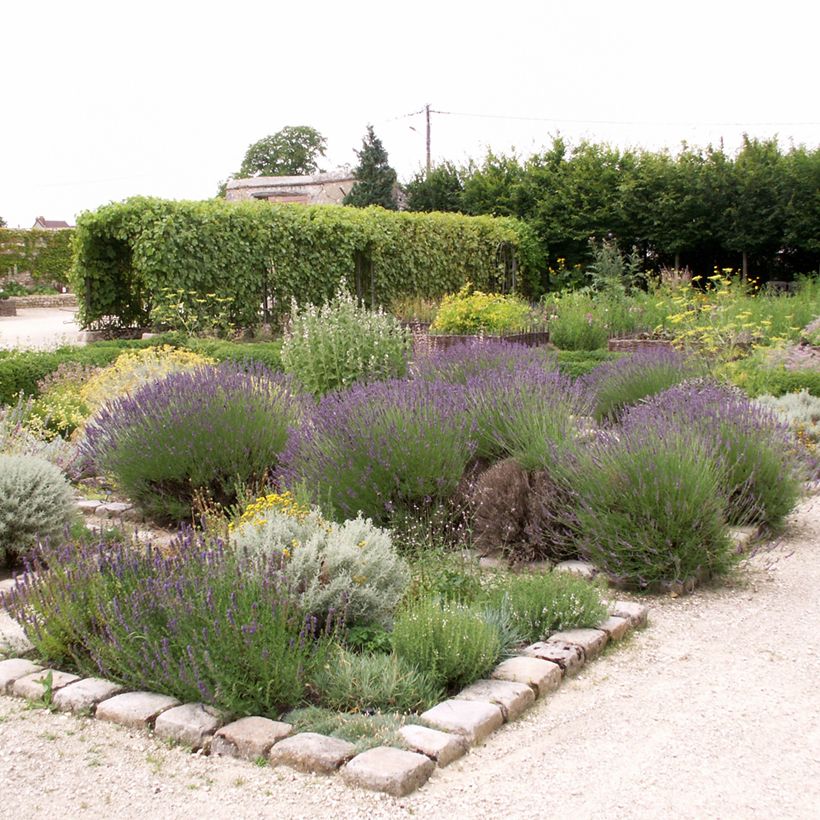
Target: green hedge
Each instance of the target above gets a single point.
(142, 254)
(46, 255)
(580, 362)
(21, 370)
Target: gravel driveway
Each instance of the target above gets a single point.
(40, 328)
(711, 712)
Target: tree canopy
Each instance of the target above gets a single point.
(293, 151)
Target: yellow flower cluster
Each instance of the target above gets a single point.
(134, 368)
(283, 503)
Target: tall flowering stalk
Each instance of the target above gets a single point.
(374, 448)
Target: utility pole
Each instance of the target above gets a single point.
(427, 113)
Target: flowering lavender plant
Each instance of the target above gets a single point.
(192, 623)
(614, 385)
(762, 479)
(209, 430)
(527, 413)
(461, 362)
(650, 506)
(376, 447)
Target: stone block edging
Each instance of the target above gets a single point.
(452, 726)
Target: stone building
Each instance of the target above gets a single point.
(328, 188)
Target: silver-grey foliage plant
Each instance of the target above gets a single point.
(351, 569)
(36, 502)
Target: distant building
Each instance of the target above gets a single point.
(43, 224)
(317, 189)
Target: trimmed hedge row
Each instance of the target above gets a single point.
(199, 258)
(45, 255)
(21, 370)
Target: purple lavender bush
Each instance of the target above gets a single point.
(380, 447)
(525, 413)
(649, 505)
(461, 362)
(194, 623)
(756, 452)
(615, 385)
(207, 431)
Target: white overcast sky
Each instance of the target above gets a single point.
(100, 100)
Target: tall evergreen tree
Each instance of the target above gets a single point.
(375, 179)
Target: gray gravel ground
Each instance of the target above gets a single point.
(40, 328)
(711, 712)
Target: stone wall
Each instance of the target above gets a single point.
(317, 189)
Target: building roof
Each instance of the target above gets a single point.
(50, 224)
(291, 182)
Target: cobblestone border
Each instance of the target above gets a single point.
(449, 729)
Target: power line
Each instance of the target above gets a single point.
(559, 121)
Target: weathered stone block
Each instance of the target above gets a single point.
(136, 710)
(384, 769)
(473, 720)
(84, 695)
(88, 506)
(13, 640)
(13, 669)
(568, 656)
(592, 641)
(513, 698)
(583, 569)
(309, 752)
(6, 586)
(615, 627)
(191, 724)
(742, 538)
(636, 613)
(33, 686)
(113, 509)
(249, 738)
(442, 747)
(541, 676)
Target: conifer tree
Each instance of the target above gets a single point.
(375, 179)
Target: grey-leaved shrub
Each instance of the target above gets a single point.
(351, 569)
(36, 502)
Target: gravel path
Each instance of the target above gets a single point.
(711, 712)
(40, 328)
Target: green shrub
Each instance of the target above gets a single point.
(758, 375)
(350, 569)
(651, 506)
(349, 682)
(453, 643)
(585, 321)
(342, 342)
(472, 311)
(364, 731)
(36, 502)
(538, 604)
(575, 363)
